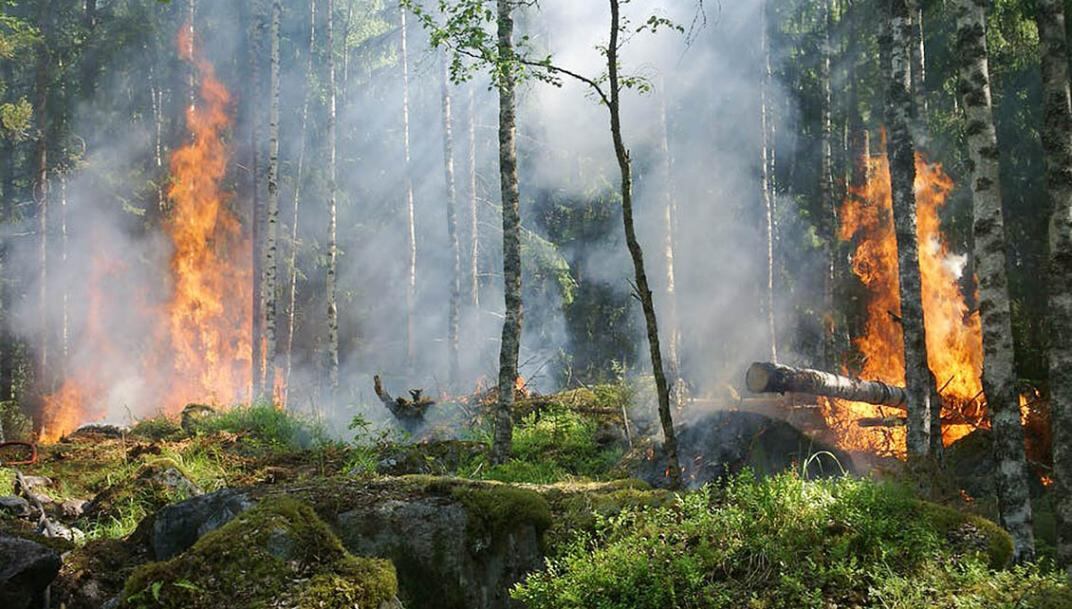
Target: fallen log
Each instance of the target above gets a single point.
(767, 377)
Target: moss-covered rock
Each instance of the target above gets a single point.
(969, 533)
(277, 554)
(576, 507)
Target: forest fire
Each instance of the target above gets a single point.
(954, 336)
(200, 347)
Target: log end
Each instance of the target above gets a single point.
(758, 377)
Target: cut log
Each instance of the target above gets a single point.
(766, 377)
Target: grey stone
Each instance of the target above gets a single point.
(178, 526)
(26, 570)
(16, 506)
(73, 508)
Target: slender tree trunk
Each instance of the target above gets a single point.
(999, 374)
(669, 244)
(191, 69)
(411, 232)
(292, 266)
(333, 249)
(511, 224)
(826, 193)
(918, 55)
(647, 301)
(1057, 142)
(452, 231)
(65, 297)
(156, 94)
(41, 192)
(474, 227)
(918, 380)
(257, 223)
(768, 195)
(271, 261)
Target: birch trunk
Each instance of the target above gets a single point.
(257, 221)
(999, 374)
(917, 51)
(452, 230)
(826, 192)
(511, 225)
(333, 249)
(411, 234)
(768, 199)
(669, 239)
(41, 191)
(901, 149)
(1057, 142)
(474, 230)
(271, 261)
(292, 266)
(647, 301)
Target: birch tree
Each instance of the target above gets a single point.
(332, 243)
(271, 261)
(766, 179)
(292, 265)
(1057, 144)
(474, 226)
(452, 229)
(669, 245)
(999, 374)
(826, 189)
(40, 187)
(901, 149)
(256, 52)
(411, 233)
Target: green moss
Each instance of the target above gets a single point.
(499, 507)
(157, 428)
(578, 508)
(278, 549)
(957, 526)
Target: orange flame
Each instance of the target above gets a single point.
(201, 350)
(954, 335)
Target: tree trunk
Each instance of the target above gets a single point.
(271, 261)
(669, 239)
(411, 233)
(1057, 142)
(333, 248)
(999, 374)
(511, 224)
(258, 217)
(826, 192)
(474, 227)
(41, 191)
(768, 377)
(919, 381)
(647, 301)
(917, 52)
(452, 231)
(768, 196)
(292, 266)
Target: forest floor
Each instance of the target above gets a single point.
(254, 507)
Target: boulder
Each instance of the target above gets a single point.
(719, 444)
(26, 570)
(277, 554)
(15, 506)
(178, 526)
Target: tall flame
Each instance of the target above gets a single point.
(954, 336)
(201, 348)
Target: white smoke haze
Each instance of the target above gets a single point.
(709, 81)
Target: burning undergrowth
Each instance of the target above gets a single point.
(196, 321)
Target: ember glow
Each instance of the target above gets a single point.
(200, 350)
(954, 336)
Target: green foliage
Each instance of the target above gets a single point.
(551, 445)
(264, 423)
(277, 552)
(160, 427)
(499, 507)
(780, 542)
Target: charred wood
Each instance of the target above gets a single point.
(766, 377)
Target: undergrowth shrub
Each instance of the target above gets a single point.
(266, 424)
(786, 543)
(549, 446)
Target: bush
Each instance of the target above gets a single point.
(776, 543)
(266, 424)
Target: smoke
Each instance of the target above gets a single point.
(709, 82)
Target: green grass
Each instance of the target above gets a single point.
(265, 424)
(788, 543)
